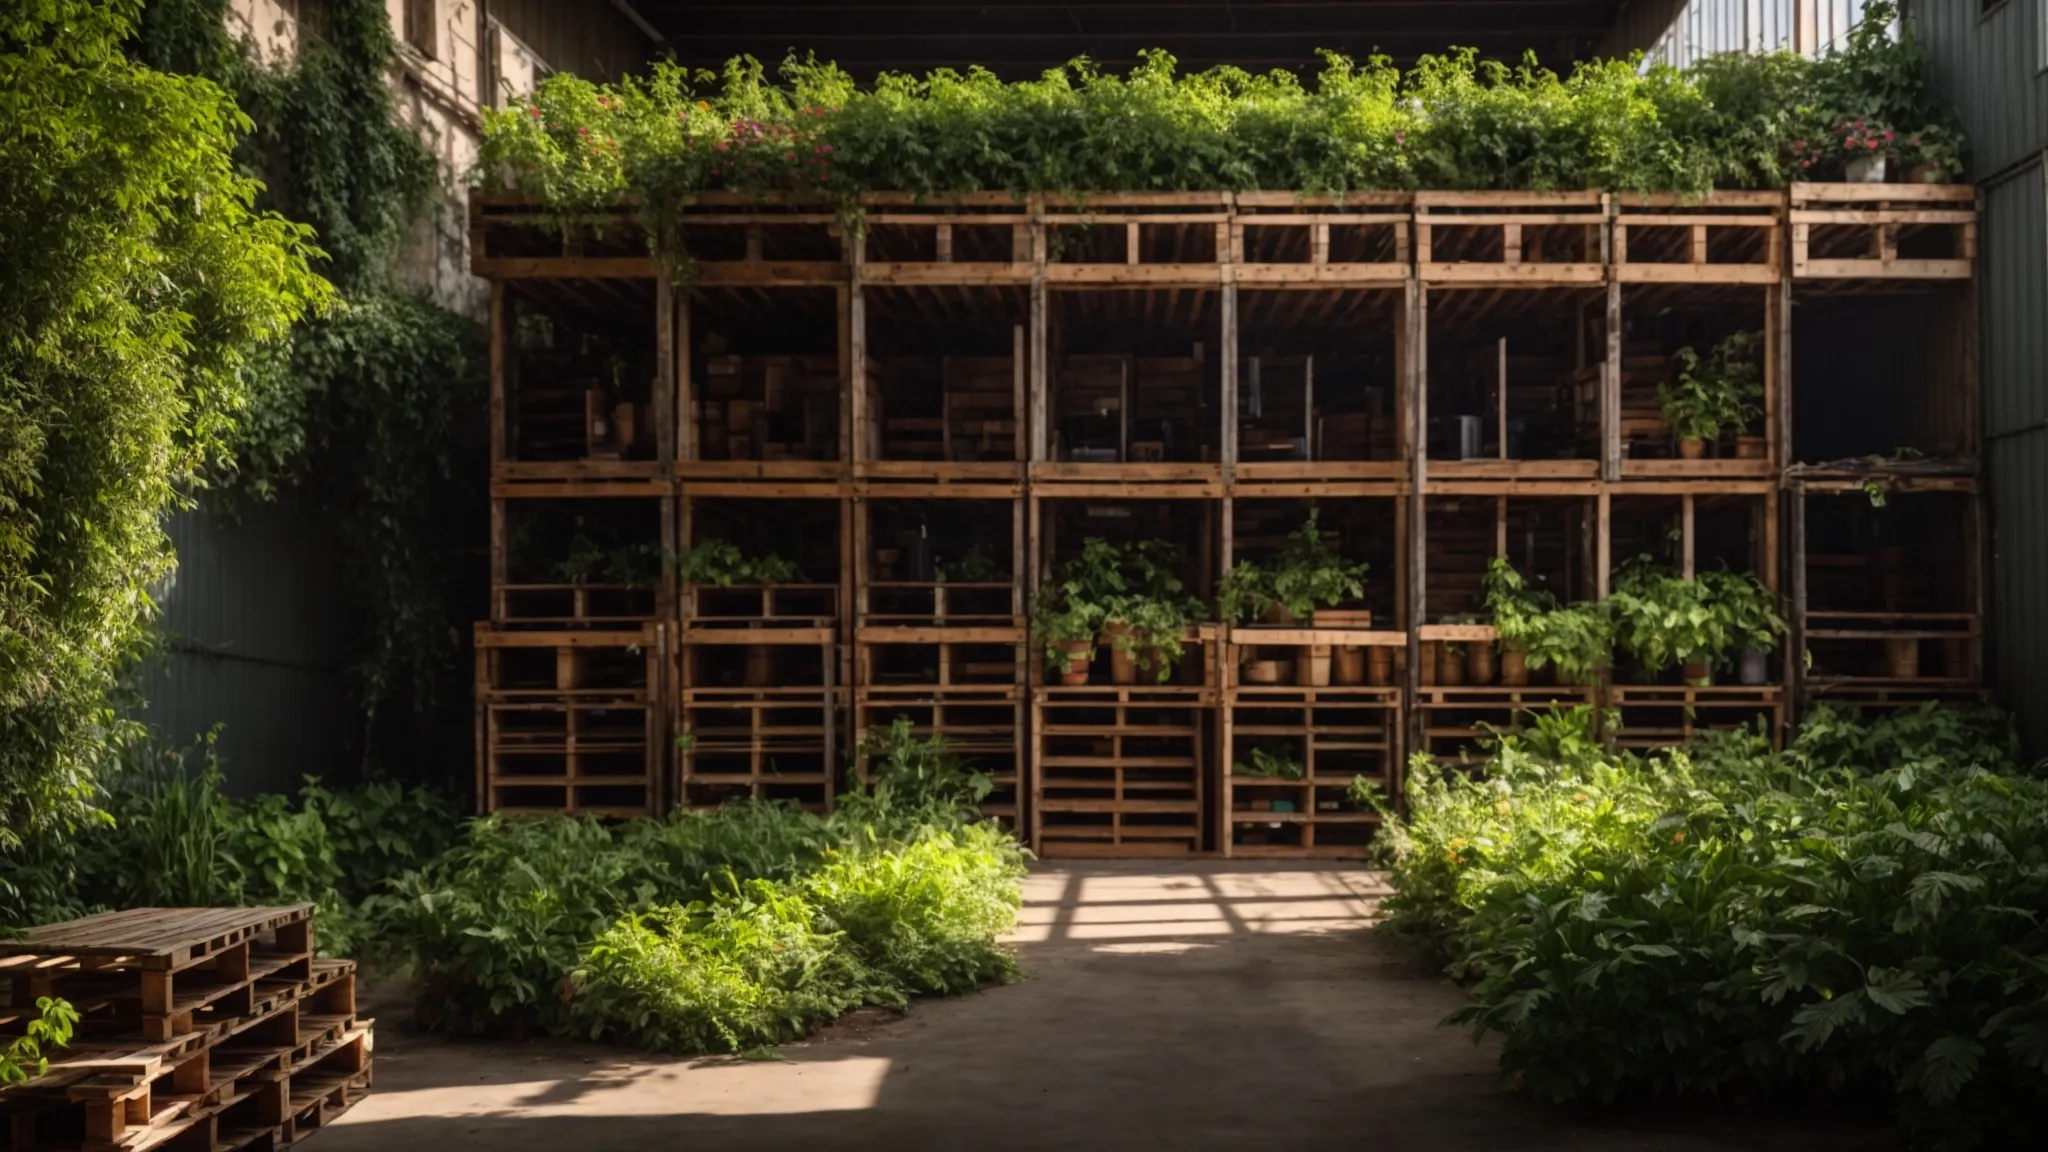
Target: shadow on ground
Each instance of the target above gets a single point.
(1184, 1005)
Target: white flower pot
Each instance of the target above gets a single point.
(1866, 170)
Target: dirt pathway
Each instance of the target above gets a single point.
(1181, 1005)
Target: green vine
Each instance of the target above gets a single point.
(373, 406)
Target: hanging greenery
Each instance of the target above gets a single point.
(374, 407)
(140, 282)
(1454, 121)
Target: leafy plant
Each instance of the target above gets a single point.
(1128, 593)
(1369, 795)
(920, 771)
(1277, 763)
(1748, 610)
(1715, 395)
(1307, 573)
(1662, 619)
(1845, 915)
(21, 1057)
(975, 566)
(1576, 639)
(722, 565)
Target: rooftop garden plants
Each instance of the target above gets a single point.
(1454, 121)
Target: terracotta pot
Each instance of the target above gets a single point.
(1479, 663)
(1756, 668)
(1691, 448)
(1380, 665)
(1151, 664)
(1514, 667)
(1079, 655)
(1276, 614)
(1698, 673)
(1902, 654)
(1312, 667)
(760, 666)
(1750, 447)
(1428, 657)
(1450, 666)
(1350, 665)
(1265, 671)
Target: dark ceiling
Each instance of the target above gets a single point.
(1020, 38)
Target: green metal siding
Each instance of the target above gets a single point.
(1989, 65)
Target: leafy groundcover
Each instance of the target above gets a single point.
(1861, 912)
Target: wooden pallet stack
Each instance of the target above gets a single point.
(200, 1028)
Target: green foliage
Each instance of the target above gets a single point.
(1276, 763)
(720, 564)
(1860, 911)
(975, 566)
(21, 1057)
(1128, 593)
(1717, 395)
(1306, 574)
(1871, 98)
(1662, 619)
(1747, 609)
(920, 772)
(926, 914)
(1454, 121)
(140, 285)
(1577, 639)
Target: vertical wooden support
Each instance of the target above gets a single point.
(1768, 543)
(943, 243)
(1500, 526)
(500, 560)
(1795, 648)
(1020, 398)
(1415, 374)
(665, 370)
(853, 307)
(686, 397)
(1610, 390)
(1502, 388)
(1778, 386)
(1131, 243)
(501, 318)
(1603, 545)
(1228, 373)
(1685, 536)
(1318, 243)
(1041, 432)
(1308, 408)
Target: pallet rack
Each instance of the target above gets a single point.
(1474, 373)
(200, 1028)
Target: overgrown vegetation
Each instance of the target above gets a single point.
(1861, 912)
(1453, 121)
(141, 285)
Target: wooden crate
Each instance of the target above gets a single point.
(984, 726)
(1661, 716)
(1508, 238)
(1451, 723)
(1119, 771)
(760, 743)
(1730, 237)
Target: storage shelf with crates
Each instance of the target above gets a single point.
(1119, 770)
(1657, 716)
(570, 721)
(758, 742)
(984, 726)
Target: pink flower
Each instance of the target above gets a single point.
(534, 111)
(1400, 137)
(583, 131)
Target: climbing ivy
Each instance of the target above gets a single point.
(377, 407)
(139, 283)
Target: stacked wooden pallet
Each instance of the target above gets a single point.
(980, 408)
(770, 408)
(200, 1028)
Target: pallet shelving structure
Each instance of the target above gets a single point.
(571, 665)
(1443, 377)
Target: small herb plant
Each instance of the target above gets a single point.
(1277, 763)
(1306, 574)
(1717, 394)
(1748, 610)
(976, 566)
(722, 565)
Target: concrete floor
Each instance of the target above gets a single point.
(1203, 1004)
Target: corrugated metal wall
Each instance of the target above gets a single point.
(1989, 65)
(591, 38)
(255, 643)
(1680, 32)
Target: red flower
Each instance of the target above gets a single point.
(1799, 145)
(719, 144)
(1849, 144)
(583, 131)
(789, 155)
(534, 111)
(1915, 141)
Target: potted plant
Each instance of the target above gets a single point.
(1514, 606)
(1714, 395)
(1067, 614)
(1750, 613)
(1661, 619)
(1306, 574)
(1274, 763)
(1146, 621)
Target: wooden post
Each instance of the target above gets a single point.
(686, 401)
(1795, 649)
(1308, 408)
(1228, 373)
(1020, 385)
(1685, 537)
(1610, 390)
(1041, 432)
(1415, 298)
(1778, 397)
(853, 304)
(1603, 545)
(665, 372)
(500, 562)
(1503, 398)
(501, 316)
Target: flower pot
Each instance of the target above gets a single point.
(1079, 654)
(1450, 666)
(1312, 668)
(1902, 654)
(1698, 673)
(1380, 665)
(1479, 665)
(1923, 174)
(1865, 170)
(1265, 671)
(1755, 668)
(1428, 657)
(1153, 667)
(1749, 447)
(1691, 448)
(1514, 666)
(1276, 614)
(760, 666)
(1349, 667)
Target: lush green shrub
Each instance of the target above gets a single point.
(1862, 910)
(926, 915)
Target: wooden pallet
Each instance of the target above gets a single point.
(1662, 716)
(760, 743)
(1452, 722)
(1282, 239)
(1730, 237)
(243, 1039)
(985, 727)
(1883, 231)
(563, 664)
(1504, 238)
(1119, 771)
(592, 607)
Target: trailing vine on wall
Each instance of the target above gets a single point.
(377, 412)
